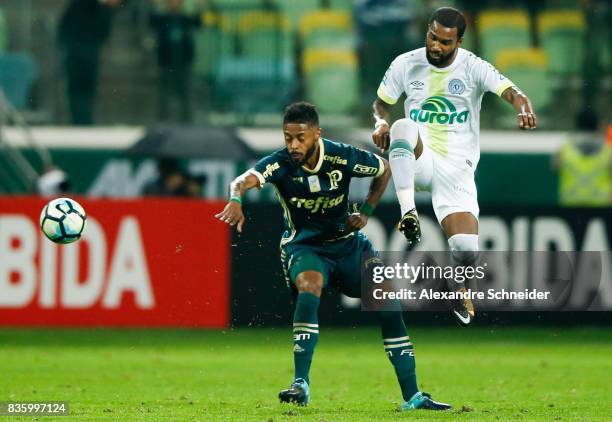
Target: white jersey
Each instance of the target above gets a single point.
(445, 102)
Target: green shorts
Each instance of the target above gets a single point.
(338, 261)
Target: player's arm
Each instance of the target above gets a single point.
(232, 213)
(381, 113)
(389, 91)
(526, 117)
(378, 185)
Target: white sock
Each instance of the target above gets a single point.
(464, 251)
(404, 138)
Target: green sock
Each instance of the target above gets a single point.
(399, 350)
(305, 333)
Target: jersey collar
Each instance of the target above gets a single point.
(320, 161)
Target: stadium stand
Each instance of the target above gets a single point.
(17, 74)
(528, 69)
(256, 68)
(324, 28)
(346, 5)
(207, 44)
(561, 34)
(295, 9)
(265, 34)
(331, 79)
(502, 29)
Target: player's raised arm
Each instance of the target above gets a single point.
(380, 136)
(232, 213)
(526, 117)
(391, 88)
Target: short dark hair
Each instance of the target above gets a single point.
(450, 18)
(301, 112)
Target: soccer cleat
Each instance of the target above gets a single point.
(424, 401)
(298, 393)
(410, 227)
(463, 310)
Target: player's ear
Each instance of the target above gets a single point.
(459, 41)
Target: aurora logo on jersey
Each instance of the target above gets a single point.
(314, 205)
(439, 110)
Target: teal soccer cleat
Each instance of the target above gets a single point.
(424, 401)
(298, 393)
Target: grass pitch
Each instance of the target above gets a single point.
(486, 374)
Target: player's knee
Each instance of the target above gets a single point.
(309, 282)
(464, 248)
(404, 130)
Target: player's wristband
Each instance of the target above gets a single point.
(379, 123)
(236, 199)
(367, 209)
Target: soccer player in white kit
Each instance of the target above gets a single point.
(436, 146)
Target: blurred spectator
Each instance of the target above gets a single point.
(53, 182)
(194, 186)
(585, 166)
(174, 181)
(83, 29)
(171, 179)
(175, 54)
(385, 29)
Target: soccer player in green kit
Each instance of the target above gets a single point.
(322, 241)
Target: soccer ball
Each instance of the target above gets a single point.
(62, 220)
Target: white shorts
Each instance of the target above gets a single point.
(452, 188)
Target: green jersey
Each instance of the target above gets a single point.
(315, 202)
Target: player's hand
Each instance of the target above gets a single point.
(356, 221)
(232, 214)
(380, 136)
(527, 119)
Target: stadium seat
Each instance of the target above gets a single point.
(502, 29)
(208, 45)
(331, 79)
(561, 35)
(17, 73)
(528, 69)
(259, 73)
(265, 34)
(346, 5)
(295, 9)
(251, 84)
(327, 28)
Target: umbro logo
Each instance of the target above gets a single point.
(417, 85)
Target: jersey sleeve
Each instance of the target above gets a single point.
(392, 85)
(490, 79)
(362, 163)
(267, 169)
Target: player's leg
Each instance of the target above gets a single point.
(306, 321)
(400, 352)
(396, 341)
(405, 150)
(309, 275)
(461, 230)
(455, 202)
